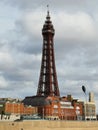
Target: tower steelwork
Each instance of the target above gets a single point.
(48, 84)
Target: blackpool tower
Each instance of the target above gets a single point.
(48, 84)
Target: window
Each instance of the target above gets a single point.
(45, 41)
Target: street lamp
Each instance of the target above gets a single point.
(43, 113)
(84, 90)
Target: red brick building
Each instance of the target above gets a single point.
(19, 108)
(16, 107)
(62, 108)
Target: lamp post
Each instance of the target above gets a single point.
(84, 90)
(43, 113)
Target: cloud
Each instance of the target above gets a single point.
(78, 29)
(26, 4)
(30, 23)
(78, 26)
(3, 83)
(63, 4)
(6, 61)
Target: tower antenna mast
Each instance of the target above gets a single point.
(47, 7)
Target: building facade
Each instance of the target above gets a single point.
(90, 108)
(62, 108)
(12, 106)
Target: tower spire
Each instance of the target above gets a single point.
(48, 13)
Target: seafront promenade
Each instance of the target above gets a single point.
(49, 125)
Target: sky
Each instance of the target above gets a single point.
(76, 46)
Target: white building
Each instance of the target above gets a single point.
(90, 108)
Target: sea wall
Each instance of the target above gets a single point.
(49, 125)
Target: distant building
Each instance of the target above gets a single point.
(61, 108)
(90, 108)
(2, 106)
(14, 106)
(64, 108)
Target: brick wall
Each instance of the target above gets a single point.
(19, 108)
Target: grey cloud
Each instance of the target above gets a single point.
(25, 41)
(21, 71)
(25, 4)
(64, 4)
(19, 89)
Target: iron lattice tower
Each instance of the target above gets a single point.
(48, 84)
